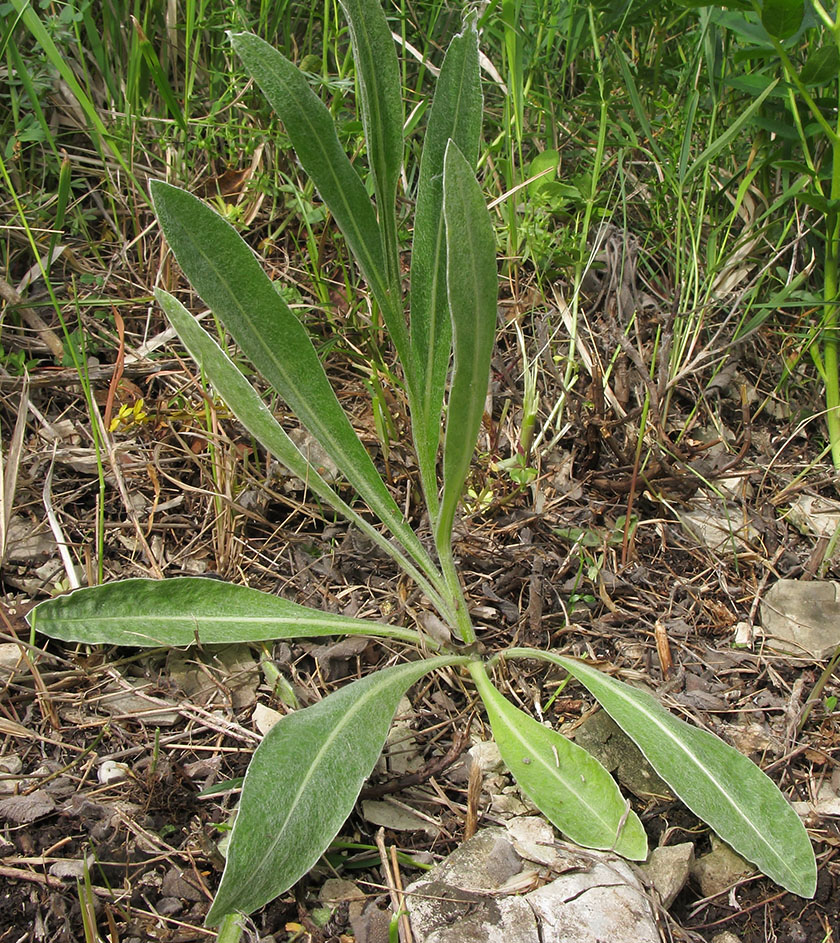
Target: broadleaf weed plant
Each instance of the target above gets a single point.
(304, 778)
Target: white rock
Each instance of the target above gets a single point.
(604, 902)
(478, 895)
(802, 617)
(265, 718)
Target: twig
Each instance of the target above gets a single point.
(397, 898)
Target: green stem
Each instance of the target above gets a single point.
(231, 929)
(478, 671)
(831, 297)
(463, 625)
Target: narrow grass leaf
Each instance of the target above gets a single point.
(472, 293)
(303, 782)
(380, 89)
(723, 140)
(568, 785)
(456, 114)
(186, 611)
(99, 132)
(159, 76)
(720, 785)
(312, 132)
(224, 271)
(251, 411)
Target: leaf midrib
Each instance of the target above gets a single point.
(675, 740)
(556, 773)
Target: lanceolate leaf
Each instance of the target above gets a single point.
(378, 73)
(186, 611)
(719, 784)
(225, 272)
(312, 132)
(472, 292)
(303, 782)
(251, 411)
(569, 786)
(455, 114)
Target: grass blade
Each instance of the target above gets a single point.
(732, 132)
(303, 782)
(720, 785)
(227, 275)
(312, 132)
(570, 787)
(472, 293)
(455, 114)
(186, 611)
(99, 132)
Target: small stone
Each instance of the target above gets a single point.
(265, 718)
(486, 754)
(802, 617)
(12, 660)
(533, 839)
(112, 772)
(718, 870)
(668, 868)
(394, 817)
(727, 936)
(127, 700)
(719, 526)
(169, 906)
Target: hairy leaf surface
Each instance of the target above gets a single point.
(455, 114)
(303, 782)
(252, 412)
(720, 785)
(311, 129)
(472, 292)
(224, 271)
(189, 610)
(378, 74)
(568, 785)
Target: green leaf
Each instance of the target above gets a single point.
(227, 275)
(821, 67)
(472, 292)
(456, 114)
(188, 610)
(312, 132)
(251, 411)
(782, 18)
(729, 135)
(302, 784)
(380, 88)
(569, 786)
(720, 785)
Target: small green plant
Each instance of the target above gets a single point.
(306, 774)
